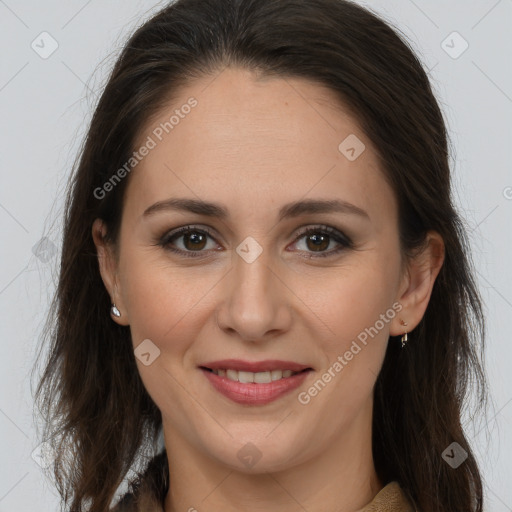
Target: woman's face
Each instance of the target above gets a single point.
(263, 282)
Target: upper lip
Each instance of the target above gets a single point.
(255, 366)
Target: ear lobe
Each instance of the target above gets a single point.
(108, 268)
(421, 273)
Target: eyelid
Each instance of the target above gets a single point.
(164, 240)
(315, 228)
(343, 241)
(188, 228)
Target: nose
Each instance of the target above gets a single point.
(256, 301)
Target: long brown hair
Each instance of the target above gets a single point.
(99, 417)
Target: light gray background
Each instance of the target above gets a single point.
(45, 105)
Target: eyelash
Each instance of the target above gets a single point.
(337, 236)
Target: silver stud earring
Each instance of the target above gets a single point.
(115, 312)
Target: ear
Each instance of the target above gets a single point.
(417, 283)
(109, 269)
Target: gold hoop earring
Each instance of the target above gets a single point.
(403, 339)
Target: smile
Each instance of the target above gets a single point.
(267, 382)
(258, 378)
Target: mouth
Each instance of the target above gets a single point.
(245, 377)
(255, 383)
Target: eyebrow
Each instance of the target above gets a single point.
(290, 210)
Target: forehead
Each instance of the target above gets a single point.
(240, 138)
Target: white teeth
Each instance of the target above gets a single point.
(258, 378)
(276, 374)
(231, 374)
(262, 377)
(245, 377)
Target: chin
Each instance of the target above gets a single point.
(259, 453)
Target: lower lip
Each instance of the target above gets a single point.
(255, 394)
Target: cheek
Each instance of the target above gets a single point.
(354, 300)
(358, 308)
(164, 301)
(167, 305)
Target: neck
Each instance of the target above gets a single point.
(341, 478)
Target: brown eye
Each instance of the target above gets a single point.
(194, 241)
(321, 241)
(317, 242)
(189, 241)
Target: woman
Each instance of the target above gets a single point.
(262, 262)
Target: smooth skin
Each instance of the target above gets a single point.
(253, 145)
